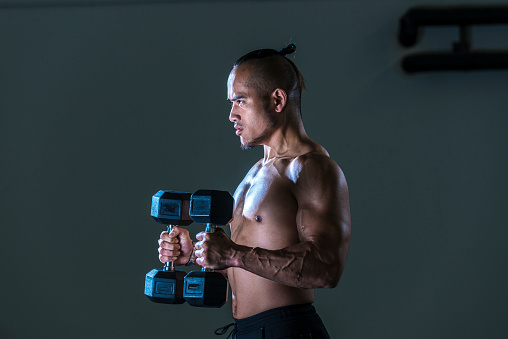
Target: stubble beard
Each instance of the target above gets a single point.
(252, 143)
(246, 147)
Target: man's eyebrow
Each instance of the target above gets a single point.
(236, 98)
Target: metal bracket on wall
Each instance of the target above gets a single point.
(461, 57)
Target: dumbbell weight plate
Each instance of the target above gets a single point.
(165, 286)
(205, 289)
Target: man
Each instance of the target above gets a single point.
(291, 224)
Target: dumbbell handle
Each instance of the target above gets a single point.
(170, 265)
(210, 228)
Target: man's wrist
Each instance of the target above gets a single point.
(238, 254)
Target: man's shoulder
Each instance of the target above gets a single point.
(315, 160)
(312, 165)
(314, 156)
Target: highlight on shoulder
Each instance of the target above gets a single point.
(312, 163)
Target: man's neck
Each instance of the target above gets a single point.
(287, 141)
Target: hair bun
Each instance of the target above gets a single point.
(291, 48)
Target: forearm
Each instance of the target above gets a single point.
(301, 265)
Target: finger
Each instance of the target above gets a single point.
(165, 258)
(178, 231)
(168, 241)
(200, 236)
(168, 253)
(165, 236)
(181, 234)
(169, 246)
(198, 253)
(175, 232)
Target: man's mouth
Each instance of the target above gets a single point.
(238, 129)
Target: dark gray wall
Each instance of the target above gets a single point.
(102, 106)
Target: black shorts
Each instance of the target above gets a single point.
(289, 322)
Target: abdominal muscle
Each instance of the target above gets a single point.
(252, 294)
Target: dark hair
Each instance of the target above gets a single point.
(273, 65)
(263, 53)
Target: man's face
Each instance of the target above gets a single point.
(250, 112)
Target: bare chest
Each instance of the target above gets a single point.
(265, 209)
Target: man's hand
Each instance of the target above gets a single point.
(215, 250)
(175, 246)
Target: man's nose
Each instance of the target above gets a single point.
(233, 116)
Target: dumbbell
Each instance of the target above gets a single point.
(166, 285)
(206, 288)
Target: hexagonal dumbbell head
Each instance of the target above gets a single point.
(211, 207)
(171, 208)
(165, 287)
(205, 289)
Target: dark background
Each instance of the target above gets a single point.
(103, 105)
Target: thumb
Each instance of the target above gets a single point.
(182, 234)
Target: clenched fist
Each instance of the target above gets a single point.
(215, 250)
(175, 246)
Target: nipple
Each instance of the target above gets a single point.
(257, 218)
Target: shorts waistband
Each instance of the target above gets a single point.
(275, 316)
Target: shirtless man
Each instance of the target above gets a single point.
(291, 224)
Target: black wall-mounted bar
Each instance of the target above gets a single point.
(460, 58)
(418, 17)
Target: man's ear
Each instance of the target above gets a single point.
(279, 99)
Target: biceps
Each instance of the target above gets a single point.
(323, 208)
(316, 226)
(328, 236)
